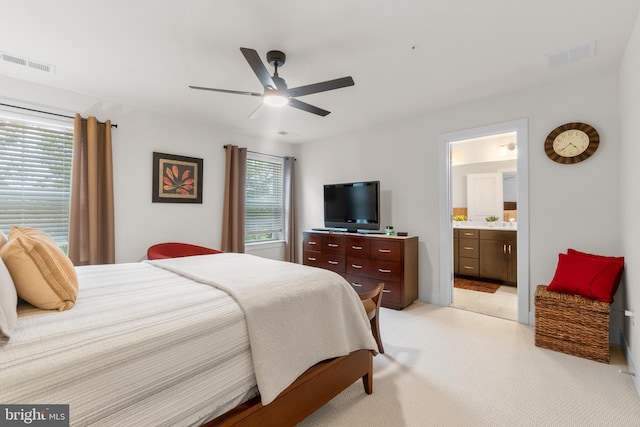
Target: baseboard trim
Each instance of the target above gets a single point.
(631, 363)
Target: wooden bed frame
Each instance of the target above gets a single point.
(318, 385)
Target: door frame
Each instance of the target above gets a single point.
(519, 126)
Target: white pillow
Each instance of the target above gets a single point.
(8, 302)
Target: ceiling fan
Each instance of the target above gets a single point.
(276, 91)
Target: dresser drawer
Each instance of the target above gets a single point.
(360, 283)
(386, 249)
(312, 243)
(468, 248)
(392, 293)
(377, 269)
(313, 259)
(333, 243)
(359, 247)
(469, 267)
(334, 262)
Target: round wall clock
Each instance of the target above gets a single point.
(571, 143)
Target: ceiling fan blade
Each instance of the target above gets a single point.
(307, 107)
(258, 67)
(237, 92)
(321, 87)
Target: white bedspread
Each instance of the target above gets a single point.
(142, 347)
(296, 315)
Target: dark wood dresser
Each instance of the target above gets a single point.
(365, 260)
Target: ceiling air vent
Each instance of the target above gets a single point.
(40, 66)
(571, 55)
(36, 65)
(7, 57)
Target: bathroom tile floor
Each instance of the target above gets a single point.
(503, 303)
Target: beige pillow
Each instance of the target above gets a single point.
(3, 239)
(43, 275)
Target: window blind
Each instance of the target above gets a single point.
(263, 200)
(35, 176)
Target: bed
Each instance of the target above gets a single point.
(225, 339)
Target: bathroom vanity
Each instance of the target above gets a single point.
(486, 252)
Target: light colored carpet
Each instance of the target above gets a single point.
(449, 367)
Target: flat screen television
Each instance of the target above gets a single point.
(352, 206)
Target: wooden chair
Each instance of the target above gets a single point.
(372, 301)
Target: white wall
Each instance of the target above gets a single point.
(630, 194)
(139, 222)
(574, 206)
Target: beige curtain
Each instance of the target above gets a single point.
(234, 199)
(290, 250)
(91, 223)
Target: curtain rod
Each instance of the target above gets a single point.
(265, 154)
(113, 125)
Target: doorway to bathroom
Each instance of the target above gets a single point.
(483, 229)
(484, 200)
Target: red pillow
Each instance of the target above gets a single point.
(606, 284)
(591, 276)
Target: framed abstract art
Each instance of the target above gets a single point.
(176, 179)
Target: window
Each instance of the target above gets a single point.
(35, 176)
(264, 204)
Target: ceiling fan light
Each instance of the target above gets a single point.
(275, 99)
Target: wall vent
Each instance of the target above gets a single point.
(571, 55)
(40, 66)
(13, 59)
(36, 65)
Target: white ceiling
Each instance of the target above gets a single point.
(407, 57)
(491, 148)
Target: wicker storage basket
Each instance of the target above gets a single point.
(572, 324)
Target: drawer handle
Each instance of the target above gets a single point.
(357, 248)
(384, 271)
(386, 290)
(468, 248)
(312, 243)
(384, 251)
(312, 259)
(468, 268)
(333, 262)
(356, 266)
(468, 234)
(356, 284)
(332, 245)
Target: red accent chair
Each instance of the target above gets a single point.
(177, 250)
